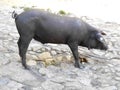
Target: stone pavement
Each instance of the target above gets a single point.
(102, 72)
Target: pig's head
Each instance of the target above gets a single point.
(96, 41)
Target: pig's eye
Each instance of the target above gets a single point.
(101, 39)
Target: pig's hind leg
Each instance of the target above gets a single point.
(23, 44)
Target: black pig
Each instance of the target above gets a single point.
(50, 28)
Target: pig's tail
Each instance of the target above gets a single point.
(14, 15)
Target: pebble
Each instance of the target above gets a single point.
(4, 81)
(59, 58)
(50, 61)
(53, 53)
(109, 88)
(118, 74)
(46, 72)
(117, 68)
(44, 55)
(14, 85)
(59, 79)
(31, 62)
(43, 71)
(4, 61)
(48, 85)
(32, 57)
(75, 85)
(117, 78)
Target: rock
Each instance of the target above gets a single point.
(118, 74)
(43, 71)
(28, 56)
(73, 85)
(115, 62)
(14, 85)
(38, 88)
(13, 34)
(97, 52)
(32, 57)
(16, 72)
(25, 88)
(67, 58)
(59, 52)
(34, 83)
(91, 61)
(46, 72)
(44, 55)
(2, 49)
(54, 69)
(72, 88)
(50, 61)
(4, 88)
(118, 86)
(59, 58)
(117, 78)
(67, 66)
(48, 85)
(34, 47)
(96, 83)
(42, 50)
(4, 81)
(85, 81)
(58, 79)
(12, 48)
(109, 88)
(88, 88)
(117, 68)
(4, 60)
(31, 62)
(32, 52)
(53, 52)
(48, 48)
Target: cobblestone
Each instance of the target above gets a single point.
(102, 72)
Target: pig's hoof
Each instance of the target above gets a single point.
(81, 66)
(77, 65)
(26, 67)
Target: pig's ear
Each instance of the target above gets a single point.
(103, 33)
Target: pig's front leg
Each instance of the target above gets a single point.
(74, 48)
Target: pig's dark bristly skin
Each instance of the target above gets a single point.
(50, 28)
